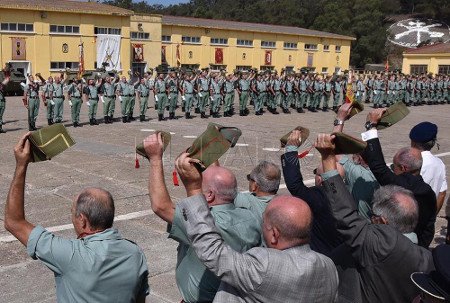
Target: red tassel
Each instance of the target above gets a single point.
(304, 154)
(137, 165)
(175, 178)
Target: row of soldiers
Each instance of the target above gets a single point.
(215, 89)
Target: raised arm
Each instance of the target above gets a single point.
(159, 196)
(15, 221)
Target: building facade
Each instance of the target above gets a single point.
(45, 36)
(433, 59)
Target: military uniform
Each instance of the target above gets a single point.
(161, 97)
(203, 94)
(91, 91)
(228, 88)
(48, 101)
(261, 89)
(360, 91)
(132, 102)
(318, 92)
(144, 93)
(369, 90)
(244, 87)
(58, 100)
(276, 86)
(188, 95)
(337, 89)
(172, 83)
(327, 94)
(409, 92)
(446, 88)
(288, 96)
(109, 101)
(32, 95)
(2, 106)
(123, 90)
(75, 94)
(216, 89)
(418, 92)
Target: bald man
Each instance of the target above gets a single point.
(240, 228)
(98, 266)
(287, 271)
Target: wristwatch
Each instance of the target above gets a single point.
(369, 125)
(338, 122)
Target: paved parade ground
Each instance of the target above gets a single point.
(104, 157)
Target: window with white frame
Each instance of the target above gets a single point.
(241, 42)
(310, 47)
(63, 65)
(106, 31)
(290, 45)
(64, 29)
(220, 41)
(188, 39)
(268, 44)
(17, 27)
(139, 36)
(166, 38)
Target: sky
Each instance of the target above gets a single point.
(166, 2)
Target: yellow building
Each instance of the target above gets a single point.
(44, 36)
(194, 42)
(428, 59)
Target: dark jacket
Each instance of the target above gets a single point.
(384, 257)
(324, 237)
(423, 193)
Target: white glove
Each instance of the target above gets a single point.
(200, 95)
(88, 104)
(52, 103)
(183, 98)
(70, 103)
(156, 98)
(212, 99)
(101, 99)
(120, 99)
(375, 92)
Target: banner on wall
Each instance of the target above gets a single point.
(268, 58)
(219, 56)
(138, 52)
(19, 49)
(108, 50)
(163, 55)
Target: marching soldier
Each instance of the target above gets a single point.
(143, 93)
(276, 93)
(188, 89)
(418, 91)
(369, 89)
(91, 97)
(359, 89)
(172, 83)
(31, 99)
(260, 89)
(446, 88)
(243, 88)
(203, 84)
(409, 93)
(132, 91)
(287, 89)
(123, 94)
(303, 95)
(48, 99)
(161, 91)
(75, 93)
(228, 88)
(337, 91)
(318, 92)
(5, 81)
(327, 92)
(58, 99)
(109, 99)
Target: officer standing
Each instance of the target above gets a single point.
(327, 92)
(58, 99)
(91, 97)
(216, 95)
(109, 99)
(123, 94)
(243, 88)
(187, 92)
(359, 89)
(287, 89)
(161, 91)
(172, 83)
(2, 97)
(337, 91)
(446, 89)
(75, 92)
(132, 94)
(31, 99)
(143, 92)
(276, 92)
(48, 99)
(203, 92)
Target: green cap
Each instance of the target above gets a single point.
(392, 115)
(213, 143)
(49, 142)
(356, 108)
(165, 138)
(346, 144)
(304, 135)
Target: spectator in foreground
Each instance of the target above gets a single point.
(100, 265)
(287, 271)
(384, 253)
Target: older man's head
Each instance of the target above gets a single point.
(219, 185)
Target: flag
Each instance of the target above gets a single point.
(268, 58)
(386, 66)
(81, 61)
(350, 94)
(219, 56)
(138, 52)
(178, 56)
(19, 48)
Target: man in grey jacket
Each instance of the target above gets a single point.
(287, 271)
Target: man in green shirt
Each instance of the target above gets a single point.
(31, 100)
(3, 100)
(91, 96)
(98, 266)
(75, 92)
(109, 99)
(58, 99)
(123, 94)
(143, 92)
(240, 228)
(47, 92)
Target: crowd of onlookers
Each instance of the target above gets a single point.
(362, 233)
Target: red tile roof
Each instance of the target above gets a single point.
(245, 26)
(66, 6)
(440, 48)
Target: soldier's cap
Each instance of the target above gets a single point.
(212, 144)
(423, 132)
(346, 144)
(49, 142)
(436, 283)
(165, 136)
(392, 115)
(304, 135)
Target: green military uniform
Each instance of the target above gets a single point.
(446, 88)
(188, 89)
(369, 90)
(239, 228)
(261, 88)
(276, 86)
(337, 91)
(132, 102)
(109, 99)
(203, 94)
(123, 90)
(409, 92)
(75, 94)
(173, 96)
(161, 96)
(360, 91)
(92, 92)
(440, 91)
(289, 97)
(216, 90)
(2, 106)
(58, 99)
(318, 92)
(32, 93)
(50, 104)
(402, 90)
(426, 91)
(229, 97)
(327, 93)
(303, 97)
(144, 93)
(244, 87)
(257, 205)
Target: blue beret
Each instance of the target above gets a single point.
(423, 132)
